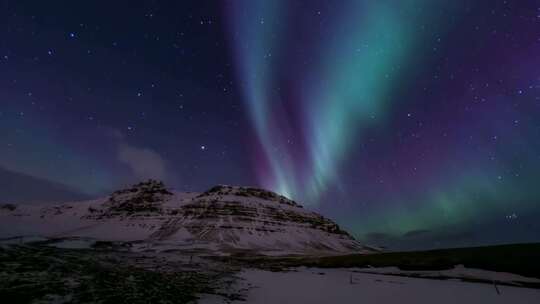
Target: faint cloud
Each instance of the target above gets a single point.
(377, 236)
(423, 239)
(416, 233)
(145, 163)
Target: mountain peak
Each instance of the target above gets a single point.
(144, 197)
(248, 192)
(149, 186)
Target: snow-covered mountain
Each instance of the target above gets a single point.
(223, 219)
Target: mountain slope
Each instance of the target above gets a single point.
(250, 218)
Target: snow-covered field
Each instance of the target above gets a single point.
(314, 286)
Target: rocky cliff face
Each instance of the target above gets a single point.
(250, 218)
(143, 199)
(222, 219)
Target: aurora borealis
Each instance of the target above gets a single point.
(418, 116)
(411, 123)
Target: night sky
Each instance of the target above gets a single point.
(413, 124)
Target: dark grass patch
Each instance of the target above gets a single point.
(522, 259)
(40, 273)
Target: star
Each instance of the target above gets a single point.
(203, 147)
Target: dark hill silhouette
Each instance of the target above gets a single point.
(17, 187)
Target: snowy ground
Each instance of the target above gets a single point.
(312, 285)
(458, 272)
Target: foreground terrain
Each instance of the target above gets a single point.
(85, 271)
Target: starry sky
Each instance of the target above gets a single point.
(413, 124)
